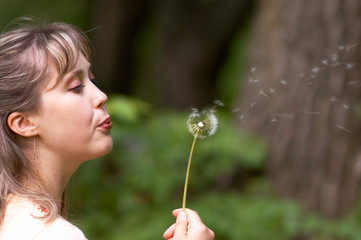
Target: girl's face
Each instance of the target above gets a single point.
(72, 121)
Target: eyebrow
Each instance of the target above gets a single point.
(76, 72)
(61, 80)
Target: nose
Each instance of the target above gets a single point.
(99, 99)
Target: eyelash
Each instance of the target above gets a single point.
(94, 81)
(80, 87)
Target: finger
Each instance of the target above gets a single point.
(192, 216)
(176, 211)
(181, 226)
(168, 234)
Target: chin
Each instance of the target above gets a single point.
(103, 150)
(107, 148)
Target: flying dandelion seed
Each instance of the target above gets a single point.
(266, 96)
(284, 82)
(349, 66)
(218, 103)
(315, 69)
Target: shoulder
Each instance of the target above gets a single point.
(21, 221)
(60, 229)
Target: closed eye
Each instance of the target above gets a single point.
(77, 89)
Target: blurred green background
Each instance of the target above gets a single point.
(156, 60)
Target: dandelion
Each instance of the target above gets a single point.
(203, 124)
(200, 125)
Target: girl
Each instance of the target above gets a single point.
(52, 119)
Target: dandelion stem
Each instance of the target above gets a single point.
(187, 174)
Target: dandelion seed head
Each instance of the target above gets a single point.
(202, 124)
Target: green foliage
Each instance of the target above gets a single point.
(74, 12)
(141, 181)
(130, 193)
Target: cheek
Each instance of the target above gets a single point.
(71, 119)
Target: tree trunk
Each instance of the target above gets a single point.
(302, 96)
(116, 24)
(195, 35)
(166, 52)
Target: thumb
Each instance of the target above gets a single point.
(181, 227)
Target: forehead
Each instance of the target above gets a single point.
(82, 65)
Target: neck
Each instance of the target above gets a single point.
(55, 173)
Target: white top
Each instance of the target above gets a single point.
(21, 223)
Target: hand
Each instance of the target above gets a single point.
(188, 226)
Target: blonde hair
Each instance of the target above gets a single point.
(25, 54)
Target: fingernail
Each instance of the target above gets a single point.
(181, 216)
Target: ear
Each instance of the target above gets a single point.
(21, 124)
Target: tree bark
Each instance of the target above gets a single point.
(302, 96)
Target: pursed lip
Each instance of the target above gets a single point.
(106, 124)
